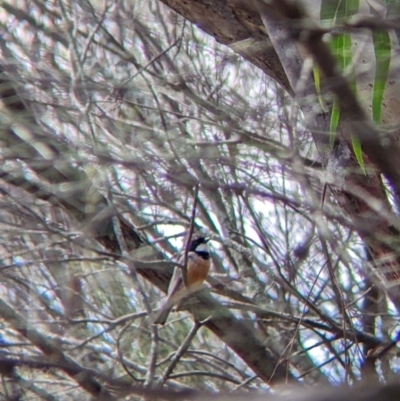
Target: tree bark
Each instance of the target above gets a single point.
(232, 21)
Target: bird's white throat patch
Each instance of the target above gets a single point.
(202, 248)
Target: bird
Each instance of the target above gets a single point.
(185, 282)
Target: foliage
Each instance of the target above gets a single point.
(127, 108)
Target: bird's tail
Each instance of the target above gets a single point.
(162, 315)
(175, 300)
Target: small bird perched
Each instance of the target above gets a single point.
(184, 283)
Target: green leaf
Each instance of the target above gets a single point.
(382, 50)
(335, 115)
(337, 11)
(341, 49)
(358, 152)
(333, 12)
(329, 10)
(317, 82)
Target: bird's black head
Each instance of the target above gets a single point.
(198, 242)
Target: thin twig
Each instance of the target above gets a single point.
(121, 358)
(190, 233)
(180, 352)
